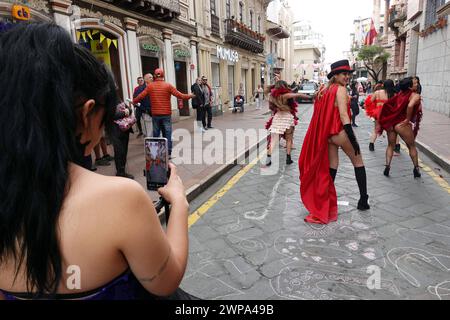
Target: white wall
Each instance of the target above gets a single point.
(433, 68)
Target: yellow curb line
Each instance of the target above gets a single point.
(440, 181)
(196, 215)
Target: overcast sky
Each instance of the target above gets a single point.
(334, 19)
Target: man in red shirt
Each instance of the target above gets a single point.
(160, 93)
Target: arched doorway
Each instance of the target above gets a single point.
(104, 46)
(108, 43)
(152, 53)
(181, 57)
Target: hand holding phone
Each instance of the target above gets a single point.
(174, 190)
(156, 162)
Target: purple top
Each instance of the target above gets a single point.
(124, 287)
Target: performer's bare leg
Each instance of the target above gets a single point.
(374, 137)
(274, 139)
(289, 142)
(407, 134)
(343, 141)
(392, 140)
(333, 156)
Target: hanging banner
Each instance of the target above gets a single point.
(115, 42)
(108, 41)
(78, 35)
(101, 52)
(83, 34)
(102, 37)
(89, 34)
(94, 32)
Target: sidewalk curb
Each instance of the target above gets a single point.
(436, 157)
(197, 189)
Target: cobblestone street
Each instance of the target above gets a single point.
(253, 243)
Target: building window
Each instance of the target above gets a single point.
(213, 6)
(241, 12)
(259, 24)
(271, 46)
(400, 52)
(431, 11)
(228, 8)
(251, 20)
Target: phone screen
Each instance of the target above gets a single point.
(156, 162)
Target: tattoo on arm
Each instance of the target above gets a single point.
(160, 271)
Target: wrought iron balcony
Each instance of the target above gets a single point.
(243, 37)
(164, 10)
(215, 25)
(397, 14)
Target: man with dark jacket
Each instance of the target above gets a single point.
(198, 103)
(144, 106)
(207, 94)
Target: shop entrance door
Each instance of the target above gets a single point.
(181, 83)
(231, 92)
(149, 65)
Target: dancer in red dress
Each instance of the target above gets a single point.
(329, 130)
(374, 106)
(401, 115)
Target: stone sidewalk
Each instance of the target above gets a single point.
(195, 177)
(253, 243)
(434, 137)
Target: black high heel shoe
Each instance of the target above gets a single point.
(363, 203)
(371, 147)
(417, 173)
(387, 170)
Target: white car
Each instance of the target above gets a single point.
(309, 89)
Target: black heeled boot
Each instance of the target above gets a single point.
(417, 173)
(289, 160)
(363, 203)
(269, 161)
(387, 170)
(361, 178)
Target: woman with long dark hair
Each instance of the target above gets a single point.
(401, 115)
(374, 106)
(329, 130)
(57, 240)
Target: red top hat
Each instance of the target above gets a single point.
(339, 67)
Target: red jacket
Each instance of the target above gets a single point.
(160, 93)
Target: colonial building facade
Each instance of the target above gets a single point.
(419, 40)
(231, 37)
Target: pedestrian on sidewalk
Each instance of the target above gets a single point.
(208, 98)
(401, 116)
(160, 93)
(99, 160)
(258, 95)
(354, 103)
(49, 201)
(144, 106)
(374, 104)
(284, 120)
(124, 121)
(198, 103)
(329, 130)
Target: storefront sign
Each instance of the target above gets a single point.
(227, 54)
(151, 47)
(181, 53)
(21, 13)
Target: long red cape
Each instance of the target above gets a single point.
(316, 185)
(395, 109)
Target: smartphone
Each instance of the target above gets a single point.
(156, 162)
